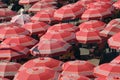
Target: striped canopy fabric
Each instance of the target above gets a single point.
(8, 69)
(53, 47)
(36, 73)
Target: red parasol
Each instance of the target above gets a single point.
(21, 40)
(10, 52)
(117, 4)
(8, 24)
(7, 32)
(107, 69)
(24, 2)
(108, 78)
(50, 1)
(96, 13)
(114, 41)
(36, 73)
(94, 24)
(44, 15)
(84, 2)
(41, 6)
(101, 4)
(63, 27)
(43, 61)
(65, 36)
(114, 22)
(88, 36)
(36, 27)
(8, 69)
(69, 11)
(71, 77)
(77, 67)
(105, 1)
(4, 79)
(111, 29)
(116, 60)
(53, 47)
(5, 12)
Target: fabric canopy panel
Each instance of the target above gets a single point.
(36, 73)
(53, 47)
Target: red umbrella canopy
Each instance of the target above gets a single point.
(43, 61)
(49, 1)
(114, 22)
(8, 24)
(108, 78)
(4, 79)
(117, 4)
(114, 41)
(8, 69)
(105, 0)
(78, 67)
(110, 30)
(40, 6)
(100, 4)
(10, 52)
(21, 40)
(95, 24)
(116, 60)
(70, 77)
(84, 2)
(107, 69)
(24, 2)
(96, 13)
(44, 15)
(36, 27)
(36, 73)
(5, 12)
(7, 32)
(69, 11)
(65, 36)
(88, 36)
(53, 47)
(63, 27)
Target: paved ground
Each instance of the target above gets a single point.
(85, 53)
